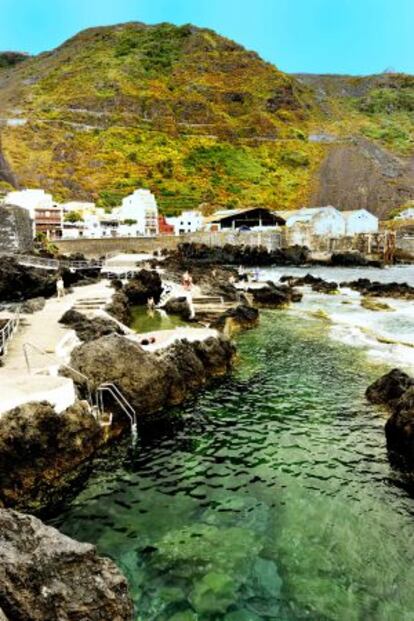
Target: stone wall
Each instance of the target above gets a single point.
(16, 230)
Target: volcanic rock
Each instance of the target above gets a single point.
(20, 282)
(233, 320)
(45, 575)
(89, 329)
(42, 453)
(151, 381)
(144, 285)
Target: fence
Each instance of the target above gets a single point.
(8, 330)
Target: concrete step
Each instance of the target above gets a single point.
(59, 391)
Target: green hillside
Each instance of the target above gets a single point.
(187, 113)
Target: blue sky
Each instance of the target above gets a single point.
(323, 36)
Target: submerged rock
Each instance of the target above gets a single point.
(89, 329)
(374, 305)
(144, 285)
(242, 317)
(214, 593)
(151, 381)
(42, 453)
(46, 576)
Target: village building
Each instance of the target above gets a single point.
(46, 215)
(360, 221)
(250, 218)
(326, 221)
(406, 214)
(163, 227)
(140, 209)
(186, 222)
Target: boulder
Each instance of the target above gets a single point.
(396, 390)
(151, 381)
(316, 283)
(242, 317)
(178, 306)
(89, 329)
(381, 289)
(33, 306)
(42, 453)
(389, 388)
(274, 296)
(45, 575)
(144, 285)
(119, 307)
(348, 259)
(20, 282)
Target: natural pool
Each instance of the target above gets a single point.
(144, 320)
(274, 500)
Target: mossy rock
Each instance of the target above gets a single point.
(374, 305)
(214, 593)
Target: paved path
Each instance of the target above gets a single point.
(43, 331)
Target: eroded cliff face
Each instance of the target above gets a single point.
(358, 174)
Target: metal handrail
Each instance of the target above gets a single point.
(26, 346)
(8, 330)
(55, 263)
(126, 407)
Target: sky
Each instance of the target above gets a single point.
(315, 36)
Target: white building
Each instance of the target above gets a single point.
(360, 221)
(326, 221)
(186, 222)
(141, 211)
(406, 214)
(79, 206)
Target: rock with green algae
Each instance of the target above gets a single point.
(241, 615)
(214, 593)
(374, 305)
(200, 548)
(184, 615)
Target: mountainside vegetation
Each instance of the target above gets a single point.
(197, 119)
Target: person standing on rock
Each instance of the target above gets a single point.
(188, 285)
(60, 288)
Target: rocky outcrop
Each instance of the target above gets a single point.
(274, 296)
(19, 282)
(144, 285)
(33, 306)
(89, 329)
(396, 390)
(189, 254)
(351, 259)
(151, 381)
(119, 307)
(234, 320)
(316, 283)
(46, 576)
(42, 453)
(381, 289)
(178, 306)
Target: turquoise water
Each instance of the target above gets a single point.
(272, 500)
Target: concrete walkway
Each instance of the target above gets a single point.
(41, 331)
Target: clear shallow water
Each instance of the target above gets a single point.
(275, 500)
(144, 320)
(386, 335)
